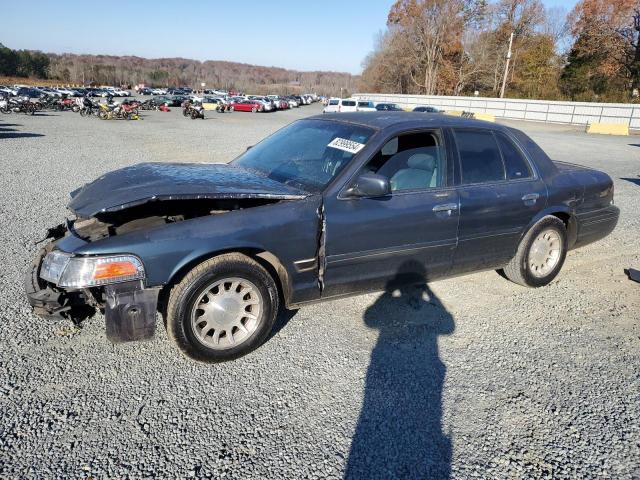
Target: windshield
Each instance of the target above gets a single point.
(307, 154)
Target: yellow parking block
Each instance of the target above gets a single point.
(487, 117)
(608, 129)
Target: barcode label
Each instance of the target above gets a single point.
(346, 145)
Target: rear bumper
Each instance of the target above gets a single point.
(596, 224)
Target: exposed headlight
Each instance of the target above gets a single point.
(81, 272)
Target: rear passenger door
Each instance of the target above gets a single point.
(500, 192)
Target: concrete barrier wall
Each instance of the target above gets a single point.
(570, 113)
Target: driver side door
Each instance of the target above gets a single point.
(407, 236)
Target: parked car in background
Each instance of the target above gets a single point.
(341, 105)
(158, 91)
(163, 100)
(366, 106)
(329, 206)
(66, 91)
(267, 104)
(390, 107)
(145, 91)
(246, 105)
(214, 103)
(293, 103)
(332, 105)
(29, 92)
(427, 109)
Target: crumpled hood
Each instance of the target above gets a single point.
(147, 182)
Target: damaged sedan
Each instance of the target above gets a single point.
(327, 207)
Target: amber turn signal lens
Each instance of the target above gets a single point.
(106, 271)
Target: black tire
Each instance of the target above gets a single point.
(519, 270)
(194, 114)
(183, 296)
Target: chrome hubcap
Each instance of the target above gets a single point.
(545, 253)
(227, 313)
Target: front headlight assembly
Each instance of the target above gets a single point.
(81, 272)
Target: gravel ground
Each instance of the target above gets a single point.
(473, 377)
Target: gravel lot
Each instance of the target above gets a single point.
(486, 379)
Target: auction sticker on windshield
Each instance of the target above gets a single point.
(346, 145)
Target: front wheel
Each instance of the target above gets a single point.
(223, 309)
(540, 255)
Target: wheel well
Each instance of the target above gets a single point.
(267, 260)
(571, 224)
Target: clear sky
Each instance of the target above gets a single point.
(312, 35)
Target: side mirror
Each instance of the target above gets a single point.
(369, 185)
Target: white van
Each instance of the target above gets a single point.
(341, 105)
(366, 106)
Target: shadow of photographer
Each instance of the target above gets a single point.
(399, 433)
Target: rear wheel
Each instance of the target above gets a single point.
(540, 255)
(223, 309)
(254, 110)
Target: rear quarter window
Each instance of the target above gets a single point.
(516, 165)
(333, 102)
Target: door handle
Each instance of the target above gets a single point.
(530, 198)
(446, 207)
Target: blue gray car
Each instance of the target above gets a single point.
(327, 207)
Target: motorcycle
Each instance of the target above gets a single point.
(149, 105)
(18, 105)
(110, 111)
(89, 107)
(66, 104)
(131, 107)
(193, 110)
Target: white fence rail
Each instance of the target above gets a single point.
(570, 113)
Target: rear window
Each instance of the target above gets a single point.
(333, 102)
(480, 157)
(348, 103)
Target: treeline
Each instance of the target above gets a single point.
(164, 72)
(459, 47)
(113, 70)
(23, 63)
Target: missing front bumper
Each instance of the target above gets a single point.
(129, 307)
(130, 311)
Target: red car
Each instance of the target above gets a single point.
(248, 106)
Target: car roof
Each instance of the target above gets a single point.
(385, 119)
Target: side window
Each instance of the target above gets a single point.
(416, 161)
(480, 157)
(516, 165)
